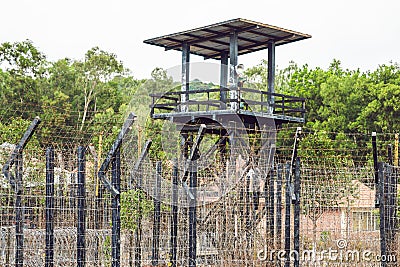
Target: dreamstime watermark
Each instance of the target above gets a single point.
(340, 254)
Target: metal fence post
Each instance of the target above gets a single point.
(157, 215)
(17, 185)
(279, 206)
(376, 167)
(81, 253)
(19, 216)
(49, 260)
(116, 211)
(271, 202)
(297, 188)
(192, 213)
(174, 214)
(113, 157)
(382, 210)
(288, 203)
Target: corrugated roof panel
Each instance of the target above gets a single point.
(210, 41)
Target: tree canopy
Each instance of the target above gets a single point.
(78, 99)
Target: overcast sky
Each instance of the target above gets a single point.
(360, 33)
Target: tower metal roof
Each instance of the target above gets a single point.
(213, 40)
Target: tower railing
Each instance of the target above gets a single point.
(208, 100)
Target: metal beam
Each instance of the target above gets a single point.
(271, 203)
(193, 214)
(174, 215)
(138, 163)
(49, 258)
(271, 76)
(296, 236)
(382, 210)
(185, 76)
(18, 150)
(19, 212)
(215, 36)
(233, 61)
(250, 47)
(80, 243)
(197, 45)
(212, 40)
(16, 182)
(223, 79)
(288, 192)
(194, 151)
(116, 212)
(240, 38)
(375, 158)
(156, 215)
(279, 207)
(111, 154)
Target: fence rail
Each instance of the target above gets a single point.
(209, 100)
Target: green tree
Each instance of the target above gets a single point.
(98, 68)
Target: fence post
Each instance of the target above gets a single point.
(157, 215)
(19, 220)
(393, 212)
(116, 210)
(248, 213)
(192, 213)
(114, 157)
(382, 209)
(271, 203)
(17, 185)
(174, 213)
(288, 203)
(279, 206)
(81, 254)
(376, 167)
(296, 237)
(138, 175)
(49, 260)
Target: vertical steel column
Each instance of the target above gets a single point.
(223, 79)
(382, 210)
(391, 212)
(271, 202)
(288, 199)
(80, 246)
(271, 76)
(157, 215)
(174, 214)
(248, 213)
(279, 206)
(297, 189)
(375, 157)
(185, 76)
(192, 213)
(116, 211)
(19, 216)
(233, 79)
(390, 205)
(17, 185)
(49, 258)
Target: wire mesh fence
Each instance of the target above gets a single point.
(259, 198)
